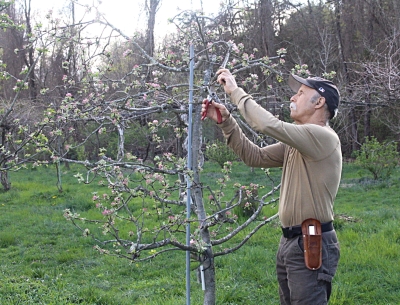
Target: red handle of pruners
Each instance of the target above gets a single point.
(219, 116)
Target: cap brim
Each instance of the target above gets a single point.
(295, 82)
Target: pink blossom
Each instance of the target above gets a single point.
(106, 212)
(126, 53)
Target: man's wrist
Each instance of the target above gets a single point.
(236, 95)
(224, 118)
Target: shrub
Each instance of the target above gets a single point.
(378, 158)
(220, 153)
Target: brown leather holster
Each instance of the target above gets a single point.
(312, 240)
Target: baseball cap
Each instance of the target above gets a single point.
(323, 86)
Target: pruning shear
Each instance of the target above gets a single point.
(212, 97)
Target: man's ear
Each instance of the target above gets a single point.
(320, 102)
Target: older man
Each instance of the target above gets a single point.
(309, 152)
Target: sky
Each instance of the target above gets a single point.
(128, 15)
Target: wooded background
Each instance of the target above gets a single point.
(356, 43)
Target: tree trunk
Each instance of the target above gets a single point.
(152, 7)
(354, 129)
(353, 115)
(209, 277)
(4, 178)
(30, 61)
(267, 32)
(207, 258)
(5, 181)
(367, 119)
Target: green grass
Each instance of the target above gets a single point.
(46, 260)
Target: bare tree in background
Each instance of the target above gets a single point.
(151, 8)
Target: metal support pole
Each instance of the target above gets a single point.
(189, 167)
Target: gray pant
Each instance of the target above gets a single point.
(299, 285)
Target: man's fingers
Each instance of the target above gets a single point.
(222, 74)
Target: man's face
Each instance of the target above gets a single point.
(301, 106)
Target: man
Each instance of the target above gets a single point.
(309, 152)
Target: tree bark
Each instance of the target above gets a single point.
(367, 118)
(4, 178)
(206, 258)
(152, 7)
(29, 61)
(266, 27)
(354, 129)
(353, 116)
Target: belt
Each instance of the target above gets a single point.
(290, 232)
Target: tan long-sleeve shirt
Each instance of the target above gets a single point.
(310, 156)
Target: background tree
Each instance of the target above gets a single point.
(18, 118)
(342, 37)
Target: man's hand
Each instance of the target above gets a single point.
(226, 79)
(212, 112)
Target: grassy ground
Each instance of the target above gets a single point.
(45, 260)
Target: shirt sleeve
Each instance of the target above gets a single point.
(251, 154)
(310, 140)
